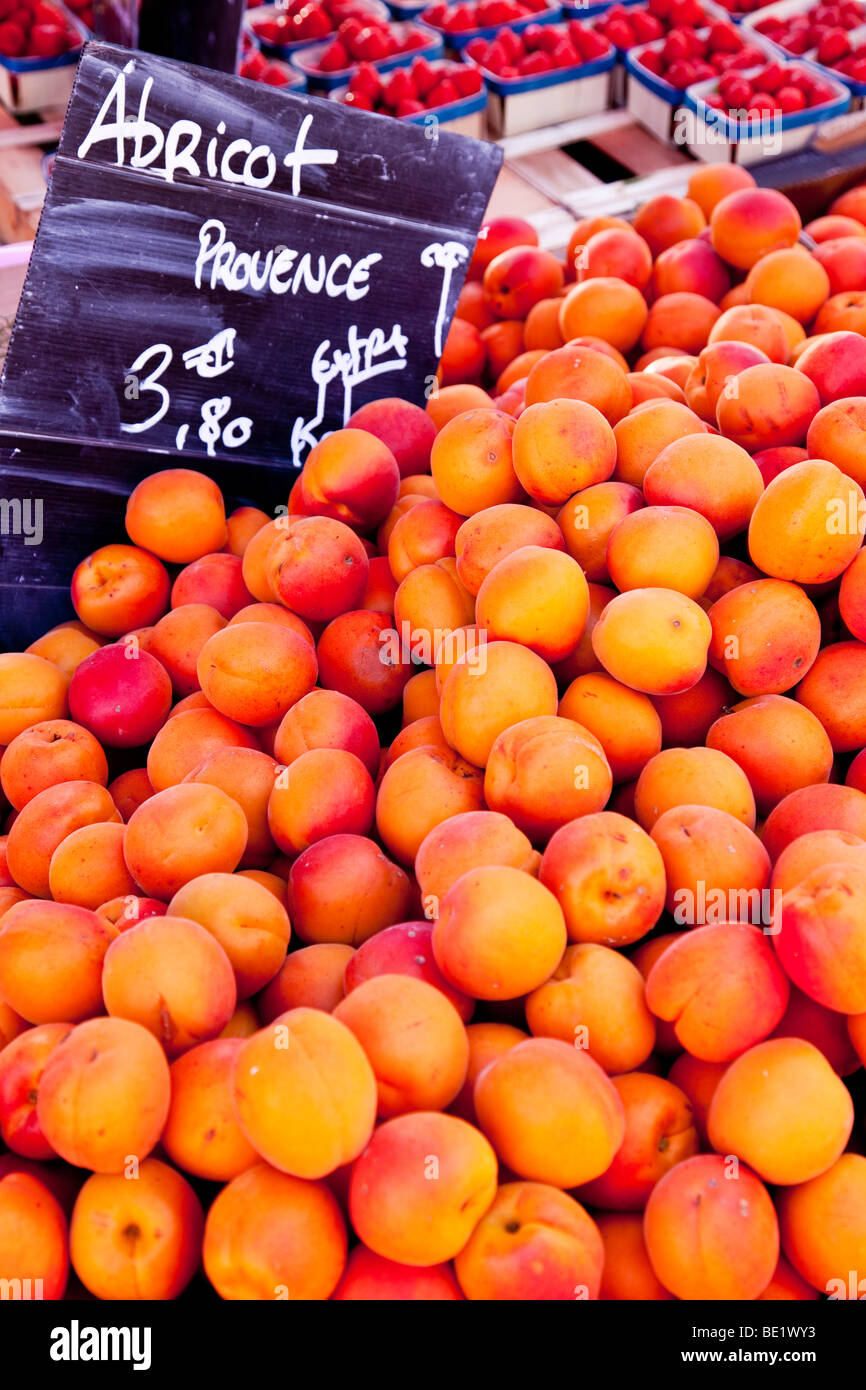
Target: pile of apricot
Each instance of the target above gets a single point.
(454, 884)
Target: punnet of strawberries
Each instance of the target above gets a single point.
(824, 27)
(537, 49)
(369, 41)
(690, 55)
(485, 14)
(307, 20)
(852, 60)
(776, 87)
(36, 29)
(409, 91)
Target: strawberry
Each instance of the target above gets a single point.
(565, 55)
(620, 33)
(443, 94)
(360, 100)
(47, 41)
(723, 38)
(647, 28)
(254, 65)
(410, 106)
(653, 61)
(424, 78)
(13, 40)
(468, 81)
(334, 57)
(365, 79)
(399, 87)
(512, 44)
(371, 43)
(532, 64)
(276, 75)
(591, 46)
(790, 99)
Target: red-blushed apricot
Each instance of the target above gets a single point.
(368, 1277)
(305, 1093)
(518, 277)
(665, 220)
(838, 670)
(711, 182)
(698, 1080)
(663, 547)
(104, 1095)
(202, 1134)
(241, 525)
(786, 1286)
(659, 1133)
(486, 1042)
(418, 791)
(324, 792)
(729, 574)
(177, 640)
(837, 433)
(680, 477)
(680, 320)
(360, 654)
(604, 307)
(823, 1225)
(447, 402)
(430, 603)
(582, 373)
(344, 889)
(317, 567)
(247, 921)
(812, 851)
(487, 537)
(534, 1242)
(51, 960)
(561, 447)
(821, 936)
(421, 1186)
(717, 870)
(32, 691)
(119, 587)
(618, 252)
(310, 978)
(782, 1109)
(182, 832)
(551, 1113)
(405, 428)
(88, 867)
(247, 776)
(173, 977)
(499, 934)
(121, 694)
(351, 476)
(270, 1235)
(544, 772)
(751, 222)
(645, 957)
(483, 697)
(607, 876)
(765, 636)
(56, 750)
(693, 776)
(535, 596)
(623, 720)
(66, 646)
(214, 579)
(464, 842)
(414, 1039)
(423, 531)
(178, 515)
(773, 405)
(22, 1062)
(653, 640)
(254, 672)
(33, 1237)
(136, 1240)
(722, 988)
(711, 1232)
(852, 601)
(823, 807)
(762, 734)
(807, 526)
(471, 462)
(589, 518)
(327, 719)
(404, 949)
(627, 1275)
(421, 733)
(595, 1000)
(646, 431)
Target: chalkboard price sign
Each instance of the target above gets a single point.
(223, 270)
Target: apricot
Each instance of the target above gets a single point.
(182, 832)
(247, 921)
(534, 1242)
(66, 646)
(33, 1246)
(800, 1114)
(750, 223)
(838, 433)
(53, 751)
(760, 734)
(357, 657)
(786, 1286)
(420, 698)
(765, 636)
(51, 960)
(405, 429)
(214, 579)
(659, 1133)
(647, 386)
(247, 776)
(22, 1062)
(682, 320)
(242, 524)
(711, 1233)
(447, 402)
(595, 1000)
(773, 405)
(424, 533)
(544, 1088)
(722, 988)
(623, 720)
(482, 698)
(202, 1134)
(369, 1277)
(177, 514)
(588, 519)
(545, 771)
(305, 1093)
(344, 889)
(418, 791)
(541, 328)
(628, 1275)
(136, 1240)
(129, 910)
(663, 548)
(791, 280)
(45, 821)
(680, 475)
(177, 640)
(173, 977)
(821, 938)
(823, 807)
(510, 385)
(721, 361)
(664, 220)
(614, 251)
(716, 867)
(698, 1081)
(518, 278)
(711, 182)
(604, 307)
(326, 791)
(654, 640)
(430, 603)
(88, 867)
(560, 447)
(471, 462)
(404, 949)
(466, 841)
(187, 739)
(644, 433)
(119, 587)
(104, 1095)
(823, 1223)
(535, 596)
(309, 978)
(317, 567)
(351, 476)
(836, 364)
(254, 672)
(608, 878)
(813, 850)
(414, 1039)
(583, 374)
(837, 669)
(691, 267)
(501, 342)
(32, 691)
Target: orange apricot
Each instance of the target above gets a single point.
(644, 433)
(607, 876)
(583, 374)
(53, 751)
(32, 690)
(33, 1237)
(761, 735)
(663, 548)
(660, 1132)
(653, 640)
(544, 772)
(254, 672)
(182, 832)
(801, 528)
(765, 636)
(823, 1223)
(712, 476)
(178, 514)
(202, 1134)
(821, 937)
(344, 889)
(560, 447)
(604, 307)
(534, 1242)
(750, 223)
(471, 462)
(248, 922)
(51, 957)
(595, 1000)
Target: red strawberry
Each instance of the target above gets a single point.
(653, 61)
(360, 100)
(334, 58)
(532, 64)
(723, 38)
(443, 94)
(620, 33)
(366, 79)
(681, 74)
(47, 41)
(790, 99)
(591, 46)
(399, 87)
(13, 40)
(254, 65)
(276, 75)
(424, 78)
(468, 81)
(410, 106)
(371, 43)
(646, 27)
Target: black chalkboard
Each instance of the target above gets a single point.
(393, 214)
